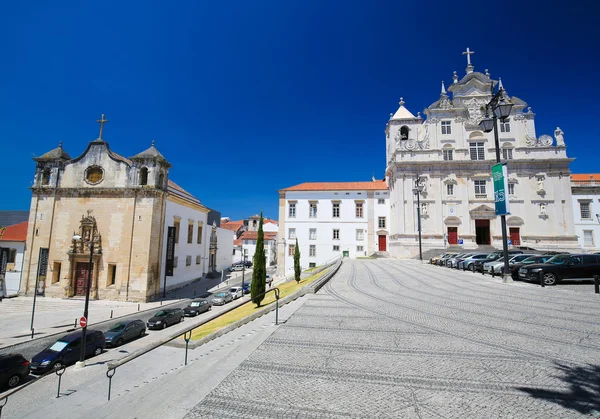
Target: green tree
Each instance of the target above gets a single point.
(297, 268)
(259, 274)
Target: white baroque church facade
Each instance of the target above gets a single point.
(451, 157)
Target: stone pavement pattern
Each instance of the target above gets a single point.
(397, 339)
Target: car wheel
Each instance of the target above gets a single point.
(164, 325)
(98, 351)
(119, 342)
(196, 313)
(58, 365)
(181, 319)
(14, 381)
(549, 278)
(471, 267)
(142, 333)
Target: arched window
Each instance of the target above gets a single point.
(507, 151)
(46, 177)
(404, 133)
(144, 176)
(448, 152)
(161, 180)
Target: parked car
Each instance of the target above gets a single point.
(125, 331)
(269, 280)
(237, 267)
(196, 307)
(452, 262)
(236, 292)
(14, 368)
(165, 318)
(514, 268)
(440, 259)
(469, 261)
(246, 287)
(221, 298)
(248, 264)
(562, 267)
(66, 351)
(497, 266)
(494, 256)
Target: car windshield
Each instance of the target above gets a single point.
(232, 289)
(558, 259)
(195, 304)
(494, 255)
(161, 314)
(117, 327)
(519, 258)
(220, 294)
(58, 346)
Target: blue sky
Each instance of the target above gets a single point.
(248, 97)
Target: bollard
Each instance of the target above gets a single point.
(32, 333)
(75, 324)
(492, 272)
(111, 314)
(187, 341)
(597, 284)
(139, 307)
(277, 311)
(541, 280)
(161, 303)
(482, 270)
(59, 372)
(110, 376)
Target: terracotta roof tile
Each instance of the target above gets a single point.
(253, 235)
(585, 176)
(237, 242)
(339, 186)
(232, 225)
(178, 189)
(268, 220)
(15, 233)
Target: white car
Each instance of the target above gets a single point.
(236, 292)
(498, 265)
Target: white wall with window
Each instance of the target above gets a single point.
(345, 220)
(586, 211)
(14, 268)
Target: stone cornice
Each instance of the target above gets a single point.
(127, 192)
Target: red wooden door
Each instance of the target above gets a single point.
(515, 236)
(452, 235)
(382, 243)
(81, 273)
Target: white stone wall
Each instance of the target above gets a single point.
(250, 247)
(13, 276)
(224, 247)
(591, 195)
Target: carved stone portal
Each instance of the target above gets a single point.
(88, 231)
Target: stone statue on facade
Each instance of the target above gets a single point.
(559, 135)
(540, 185)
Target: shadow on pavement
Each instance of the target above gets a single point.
(584, 392)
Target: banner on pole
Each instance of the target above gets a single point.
(170, 251)
(500, 177)
(42, 270)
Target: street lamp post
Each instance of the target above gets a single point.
(500, 107)
(81, 362)
(244, 256)
(417, 191)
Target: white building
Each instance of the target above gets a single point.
(270, 246)
(452, 158)
(330, 219)
(586, 209)
(12, 243)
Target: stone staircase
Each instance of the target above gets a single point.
(380, 255)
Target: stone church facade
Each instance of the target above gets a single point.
(119, 207)
(451, 157)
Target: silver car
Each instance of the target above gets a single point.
(221, 298)
(498, 265)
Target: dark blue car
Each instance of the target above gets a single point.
(66, 351)
(246, 287)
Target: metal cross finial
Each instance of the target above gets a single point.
(101, 121)
(60, 144)
(401, 103)
(468, 53)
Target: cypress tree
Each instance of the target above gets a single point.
(297, 268)
(259, 274)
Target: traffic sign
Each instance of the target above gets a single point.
(82, 322)
(460, 241)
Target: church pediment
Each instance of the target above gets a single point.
(483, 212)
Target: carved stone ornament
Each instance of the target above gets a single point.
(474, 106)
(460, 120)
(88, 231)
(545, 140)
(445, 103)
(530, 141)
(411, 144)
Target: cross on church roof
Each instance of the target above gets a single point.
(468, 54)
(101, 121)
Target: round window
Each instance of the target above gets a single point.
(94, 174)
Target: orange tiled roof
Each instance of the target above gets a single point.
(339, 186)
(583, 176)
(253, 235)
(237, 242)
(268, 220)
(182, 191)
(232, 225)
(15, 233)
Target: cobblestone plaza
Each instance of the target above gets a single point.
(397, 339)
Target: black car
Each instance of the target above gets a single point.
(13, 370)
(196, 307)
(514, 267)
(248, 264)
(67, 350)
(478, 264)
(562, 267)
(165, 318)
(124, 332)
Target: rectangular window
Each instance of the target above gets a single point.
(312, 213)
(511, 188)
(450, 189)
(584, 208)
(336, 210)
(190, 232)
(336, 234)
(381, 222)
(312, 234)
(291, 249)
(175, 261)
(188, 260)
(359, 210)
(112, 274)
(312, 250)
(312, 265)
(292, 212)
(198, 258)
(381, 201)
(292, 233)
(176, 225)
(507, 153)
(56, 272)
(336, 247)
(12, 255)
(588, 238)
(446, 127)
(504, 127)
(480, 191)
(477, 151)
(359, 248)
(448, 154)
(199, 239)
(360, 235)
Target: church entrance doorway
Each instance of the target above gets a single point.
(81, 274)
(452, 235)
(382, 243)
(482, 231)
(515, 236)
